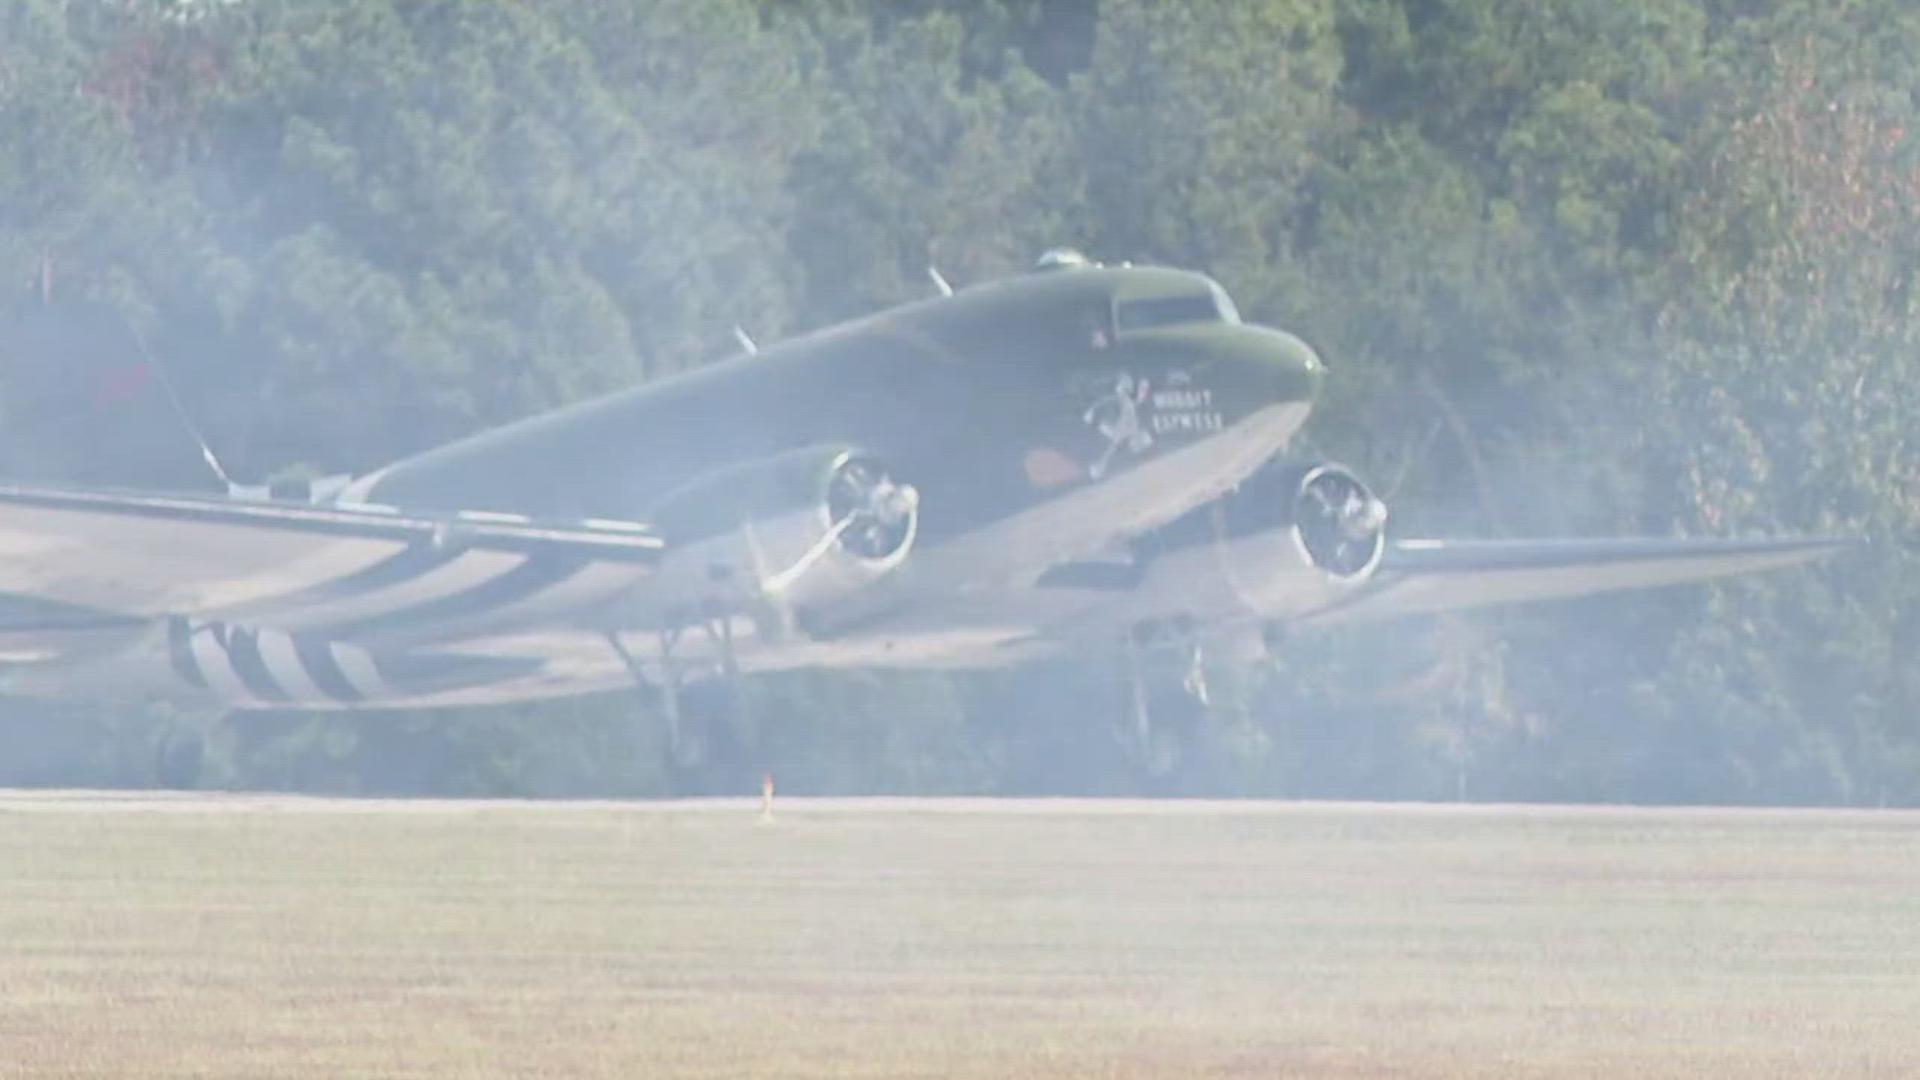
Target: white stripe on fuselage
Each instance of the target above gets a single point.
(468, 570)
(216, 664)
(597, 582)
(337, 559)
(284, 666)
(358, 669)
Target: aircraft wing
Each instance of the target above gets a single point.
(141, 555)
(1422, 576)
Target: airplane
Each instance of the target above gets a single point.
(1081, 456)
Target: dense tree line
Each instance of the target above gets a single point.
(1642, 266)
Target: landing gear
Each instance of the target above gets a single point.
(1160, 723)
(180, 751)
(1195, 680)
(700, 716)
(178, 758)
(666, 690)
(1187, 694)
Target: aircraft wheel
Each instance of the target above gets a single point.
(178, 759)
(687, 748)
(703, 750)
(1165, 720)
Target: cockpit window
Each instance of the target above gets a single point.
(1228, 312)
(1165, 311)
(1212, 306)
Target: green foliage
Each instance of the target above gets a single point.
(920, 164)
(1199, 125)
(1643, 266)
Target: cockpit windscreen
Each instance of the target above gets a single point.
(1146, 313)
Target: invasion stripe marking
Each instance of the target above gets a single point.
(243, 649)
(410, 562)
(464, 571)
(282, 658)
(316, 656)
(532, 576)
(358, 669)
(210, 656)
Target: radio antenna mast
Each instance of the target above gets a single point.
(180, 408)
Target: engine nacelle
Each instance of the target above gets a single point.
(794, 530)
(1288, 539)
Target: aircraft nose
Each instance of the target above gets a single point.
(1290, 369)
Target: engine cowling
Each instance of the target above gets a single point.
(1289, 538)
(1337, 521)
(793, 530)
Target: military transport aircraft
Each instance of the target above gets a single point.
(1072, 458)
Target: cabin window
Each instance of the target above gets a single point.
(1169, 311)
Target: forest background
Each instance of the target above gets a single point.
(1642, 266)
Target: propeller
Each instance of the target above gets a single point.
(873, 518)
(874, 512)
(1341, 523)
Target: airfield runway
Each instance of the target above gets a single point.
(278, 936)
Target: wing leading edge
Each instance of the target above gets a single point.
(139, 554)
(1423, 576)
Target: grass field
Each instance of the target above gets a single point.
(241, 937)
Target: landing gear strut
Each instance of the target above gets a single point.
(178, 757)
(1156, 746)
(180, 751)
(690, 732)
(666, 689)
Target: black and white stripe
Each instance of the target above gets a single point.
(244, 666)
(340, 642)
(463, 600)
(269, 667)
(426, 592)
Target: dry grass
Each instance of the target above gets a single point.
(308, 939)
